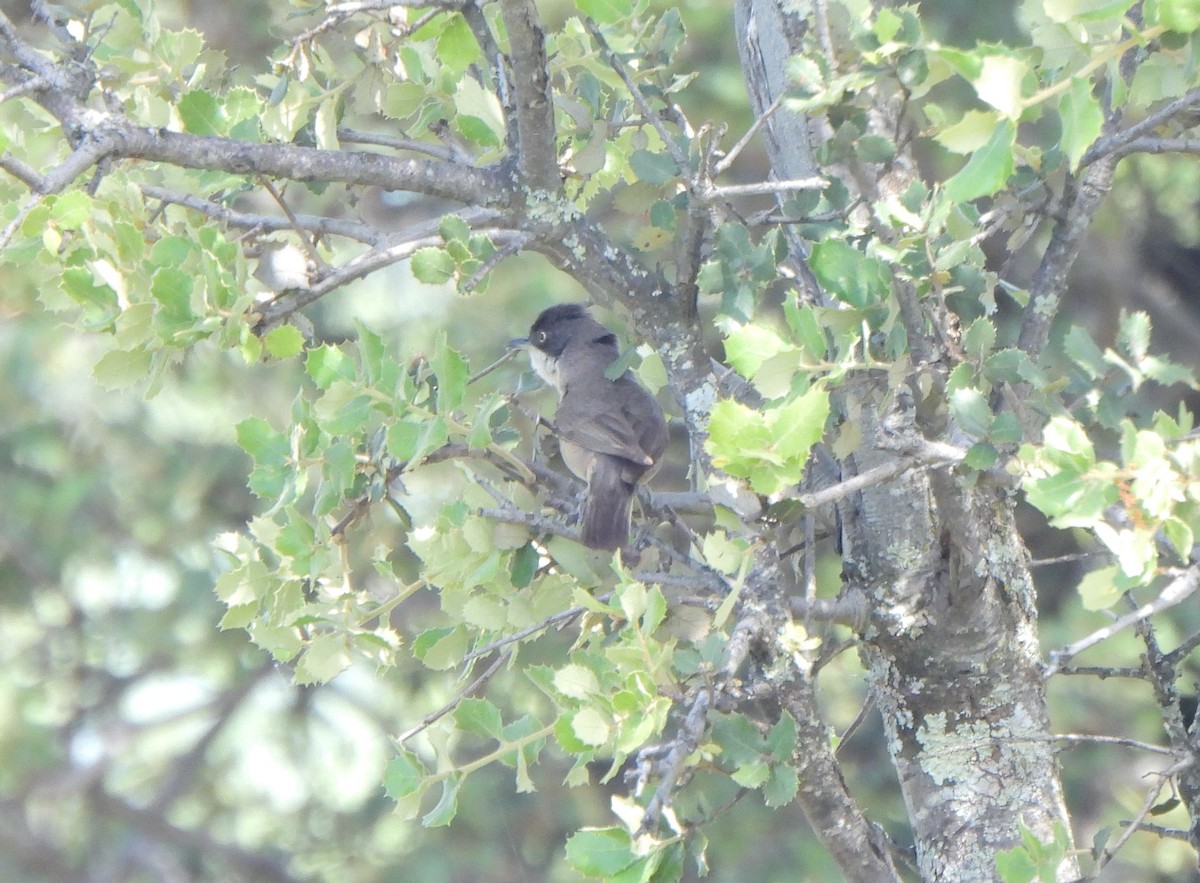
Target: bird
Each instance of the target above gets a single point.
(611, 433)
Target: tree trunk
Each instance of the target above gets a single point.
(951, 640)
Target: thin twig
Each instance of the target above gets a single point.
(1114, 143)
(318, 225)
(814, 183)
(433, 717)
(944, 455)
(315, 256)
(639, 99)
(562, 616)
(438, 151)
(1178, 590)
(736, 150)
(683, 746)
(1136, 822)
(1101, 672)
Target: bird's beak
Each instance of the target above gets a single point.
(518, 343)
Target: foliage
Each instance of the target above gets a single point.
(400, 529)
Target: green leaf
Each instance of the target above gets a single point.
(606, 11)
(850, 275)
(600, 853)
(748, 346)
(799, 425)
(447, 806)
(456, 47)
(781, 787)
(121, 369)
(284, 342)
(999, 84)
(987, 170)
(453, 228)
(202, 113)
(405, 774)
(576, 681)
(1082, 119)
(71, 210)
(591, 727)
(981, 456)
(523, 566)
(1082, 350)
(781, 739)
(477, 130)
(323, 660)
(452, 372)
(653, 168)
(1181, 16)
(979, 339)
(971, 411)
(1133, 335)
(874, 149)
(970, 133)
(1098, 590)
(479, 716)
(441, 648)
(432, 266)
(326, 364)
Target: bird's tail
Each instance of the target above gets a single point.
(606, 510)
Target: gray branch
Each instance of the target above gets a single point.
(532, 103)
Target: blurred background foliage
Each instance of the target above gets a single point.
(140, 742)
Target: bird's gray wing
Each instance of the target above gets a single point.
(604, 430)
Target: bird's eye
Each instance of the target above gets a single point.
(540, 337)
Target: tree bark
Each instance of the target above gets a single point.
(951, 643)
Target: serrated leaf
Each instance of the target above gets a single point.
(479, 716)
(447, 806)
(270, 451)
(202, 113)
(453, 228)
(405, 774)
(979, 339)
(1098, 589)
(1082, 119)
(606, 11)
(121, 369)
(1133, 335)
(600, 853)
(323, 660)
(456, 47)
(653, 168)
(799, 424)
(971, 411)
(781, 787)
(284, 342)
(432, 266)
(591, 727)
(576, 681)
(327, 364)
(847, 273)
(988, 169)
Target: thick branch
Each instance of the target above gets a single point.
(532, 101)
(318, 225)
(1050, 281)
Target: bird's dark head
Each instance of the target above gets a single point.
(557, 327)
(554, 331)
